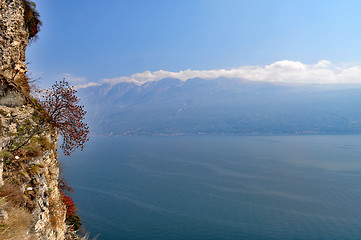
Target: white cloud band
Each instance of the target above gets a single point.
(287, 72)
(73, 79)
(91, 84)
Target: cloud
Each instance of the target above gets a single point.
(73, 79)
(285, 72)
(91, 84)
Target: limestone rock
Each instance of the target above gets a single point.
(13, 38)
(3, 216)
(37, 174)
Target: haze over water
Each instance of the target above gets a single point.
(219, 187)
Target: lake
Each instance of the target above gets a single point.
(219, 187)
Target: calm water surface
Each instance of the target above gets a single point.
(219, 187)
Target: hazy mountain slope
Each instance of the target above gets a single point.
(220, 106)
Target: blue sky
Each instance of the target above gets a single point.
(90, 41)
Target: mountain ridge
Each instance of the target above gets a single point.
(221, 106)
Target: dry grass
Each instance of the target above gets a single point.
(17, 225)
(6, 156)
(33, 150)
(86, 237)
(12, 194)
(23, 82)
(25, 153)
(44, 143)
(36, 169)
(73, 235)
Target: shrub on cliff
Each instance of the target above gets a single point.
(31, 18)
(74, 221)
(58, 107)
(62, 110)
(70, 206)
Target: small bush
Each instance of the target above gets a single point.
(31, 18)
(36, 169)
(70, 206)
(74, 221)
(23, 82)
(44, 143)
(64, 187)
(33, 149)
(6, 156)
(26, 152)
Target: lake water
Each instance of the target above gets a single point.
(219, 187)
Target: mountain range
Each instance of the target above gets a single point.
(221, 106)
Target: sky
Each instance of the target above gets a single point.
(90, 42)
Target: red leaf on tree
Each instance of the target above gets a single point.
(64, 113)
(70, 206)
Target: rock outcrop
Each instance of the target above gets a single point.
(28, 147)
(14, 39)
(34, 169)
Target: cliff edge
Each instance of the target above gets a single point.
(31, 205)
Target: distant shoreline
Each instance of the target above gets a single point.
(215, 134)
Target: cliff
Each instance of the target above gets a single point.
(31, 205)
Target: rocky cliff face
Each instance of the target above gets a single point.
(28, 158)
(14, 39)
(34, 169)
